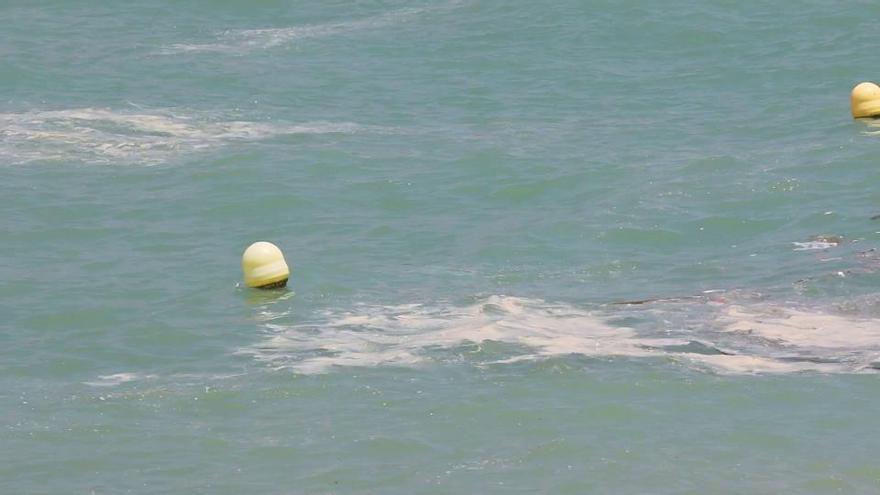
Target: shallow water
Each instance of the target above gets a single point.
(586, 247)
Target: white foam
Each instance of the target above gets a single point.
(111, 136)
(239, 41)
(814, 245)
(725, 338)
(776, 338)
(805, 328)
(117, 379)
(734, 364)
(405, 335)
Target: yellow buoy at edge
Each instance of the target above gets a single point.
(865, 100)
(264, 267)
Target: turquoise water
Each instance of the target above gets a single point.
(466, 191)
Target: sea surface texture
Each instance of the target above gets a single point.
(569, 247)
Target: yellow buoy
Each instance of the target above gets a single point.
(865, 100)
(264, 266)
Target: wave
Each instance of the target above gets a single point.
(110, 136)
(239, 41)
(721, 337)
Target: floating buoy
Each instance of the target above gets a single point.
(865, 100)
(264, 267)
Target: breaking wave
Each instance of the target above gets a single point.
(704, 333)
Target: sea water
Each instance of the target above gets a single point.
(536, 247)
